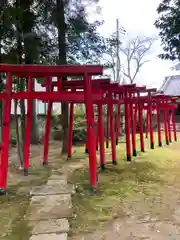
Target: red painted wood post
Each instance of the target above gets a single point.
(133, 131)
(70, 135)
(112, 132)
(135, 115)
(107, 127)
(86, 145)
(6, 134)
(174, 124)
(90, 132)
(127, 126)
(101, 136)
(150, 121)
(140, 118)
(97, 137)
(48, 124)
(147, 124)
(166, 126)
(159, 124)
(118, 121)
(28, 128)
(169, 125)
(135, 111)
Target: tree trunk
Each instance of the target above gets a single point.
(61, 26)
(19, 86)
(65, 114)
(19, 142)
(34, 125)
(23, 111)
(27, 27)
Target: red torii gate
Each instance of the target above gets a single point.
(73, 86)
(158, 105)
(87, 97)
(96, 84)
(95, 92)
(141, 100)
(117, 88)
(166, 104)
(125, 97)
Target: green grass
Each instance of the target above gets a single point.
(13, 222)
(144, 176)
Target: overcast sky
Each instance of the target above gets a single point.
(137, 17)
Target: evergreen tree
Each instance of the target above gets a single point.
(49, 32)
(168, 24)
(77, 40)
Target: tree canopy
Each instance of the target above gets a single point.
(168, 24)
(35, 24)
(48, 32)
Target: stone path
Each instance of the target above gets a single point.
(50, 209)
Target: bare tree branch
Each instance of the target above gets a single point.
(135, 53)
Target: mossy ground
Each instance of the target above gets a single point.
(142, 178)
(147, 174)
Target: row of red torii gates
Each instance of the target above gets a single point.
(89, 92)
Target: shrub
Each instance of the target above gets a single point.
(79, 126)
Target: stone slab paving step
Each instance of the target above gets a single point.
(60, 179)
(58, 176)
(62, 236)
(51, 189)
(50, 207)
(51, 226)
(56, 181)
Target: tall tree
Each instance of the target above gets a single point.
(168, 24)
(52, 32)
(3, 7)
(62, 59)
(26, 46)
(75, 39)
(32, 50)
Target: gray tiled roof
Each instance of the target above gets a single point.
(171, 86)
